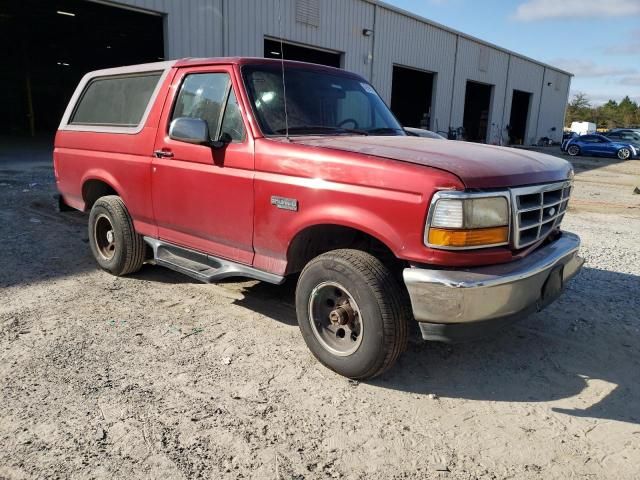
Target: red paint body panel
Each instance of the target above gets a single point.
(385, 199)
(219, 201)
(480, 166)
(122, 161)
(203, 198)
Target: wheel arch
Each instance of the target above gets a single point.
(96, 186)
(316, 239)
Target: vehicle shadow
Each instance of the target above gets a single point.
(591, 334)
(62, 240)
(584, 164)
(276, 302)
(590, 337)
(154, 273)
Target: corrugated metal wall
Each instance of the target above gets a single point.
(527, 77)
(479, 63)
(405, 41)
(195, 28)
(340, 28)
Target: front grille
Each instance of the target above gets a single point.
(537, 211)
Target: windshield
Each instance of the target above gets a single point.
(318, 103)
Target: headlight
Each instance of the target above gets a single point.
(467, 222)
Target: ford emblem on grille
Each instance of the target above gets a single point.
(551, 212)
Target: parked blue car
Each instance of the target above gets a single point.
(629, 136)
(599, 146)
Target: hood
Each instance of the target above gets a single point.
(477, 165)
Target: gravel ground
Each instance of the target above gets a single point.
(155, 376)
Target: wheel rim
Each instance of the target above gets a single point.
(573, 150)
(623, 154)
(335, 319)
(104, 236)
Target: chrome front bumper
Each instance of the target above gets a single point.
(493, 292)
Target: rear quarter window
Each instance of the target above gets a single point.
(119, 101)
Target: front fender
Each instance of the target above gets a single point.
(395, 218)
(356, 218)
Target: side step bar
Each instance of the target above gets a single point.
(203, 267)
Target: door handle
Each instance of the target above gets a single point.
(163, 153)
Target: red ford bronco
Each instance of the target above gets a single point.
(267, 169)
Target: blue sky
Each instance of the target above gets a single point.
(597, 40)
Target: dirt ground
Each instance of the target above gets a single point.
(157, 376)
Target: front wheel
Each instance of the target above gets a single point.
(352, 312)
(573, 150)
(624, 153)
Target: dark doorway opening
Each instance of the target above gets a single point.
(301, 54)
(520, 104)
(53, 44)
(411, 95)
(477, 103)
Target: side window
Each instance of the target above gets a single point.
(232, 119)
(118, 101)
(209, 96)
(202, 96)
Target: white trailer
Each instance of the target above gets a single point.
(583, 128)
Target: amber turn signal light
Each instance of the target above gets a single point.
(478, 237)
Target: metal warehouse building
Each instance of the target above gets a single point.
(430, 75)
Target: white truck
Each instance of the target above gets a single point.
(583, 128)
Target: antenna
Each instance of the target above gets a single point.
(284, 85)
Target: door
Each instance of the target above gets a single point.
(601, 146)
(624, 137)
(203, 197)
(589, 145)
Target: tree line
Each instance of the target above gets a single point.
(612, 114)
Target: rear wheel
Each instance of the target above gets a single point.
(352, 312)
(114, 243)
(624, 153)
(573, 150)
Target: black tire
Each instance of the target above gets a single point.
(573, 150)
(624, 153)
(382, 301)
(122, 251)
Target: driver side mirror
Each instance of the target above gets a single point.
(196, 131)
(190, 130)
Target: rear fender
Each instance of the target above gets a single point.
(105, 177)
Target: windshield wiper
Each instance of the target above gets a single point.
(383, 130)
(321, 128)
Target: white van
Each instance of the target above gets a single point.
(583, 128)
